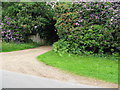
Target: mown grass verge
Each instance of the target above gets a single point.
(101, 68)
(7, 47)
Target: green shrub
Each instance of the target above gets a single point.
(89, 27)
(61, 46)
(31, 18)
(10, 31)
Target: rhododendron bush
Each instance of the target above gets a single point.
(88, 27)
(10, 31)
(21, 19)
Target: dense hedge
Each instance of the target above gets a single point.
(88, 27)
(10, 31)
(27, 18)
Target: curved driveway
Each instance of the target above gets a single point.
(25, 62)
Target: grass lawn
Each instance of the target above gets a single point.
(7, 47)
(100, 68)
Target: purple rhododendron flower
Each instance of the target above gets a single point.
(91, 15)
(111, 8)
(16, 27)
(119, 20)
(8, 22)
(85, 5)
(2, 32)
(1, 24)
(97, 17)
(77, 24)
(8, 31)
(7, 18)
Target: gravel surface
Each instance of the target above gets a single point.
(25, 62)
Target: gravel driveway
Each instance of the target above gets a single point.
(25, 62)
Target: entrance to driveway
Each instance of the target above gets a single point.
(16, 80)
(25, 62)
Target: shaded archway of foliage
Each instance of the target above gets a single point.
(88, 27)
(21, 19)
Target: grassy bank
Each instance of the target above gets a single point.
(100, 68)
(7, 47)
